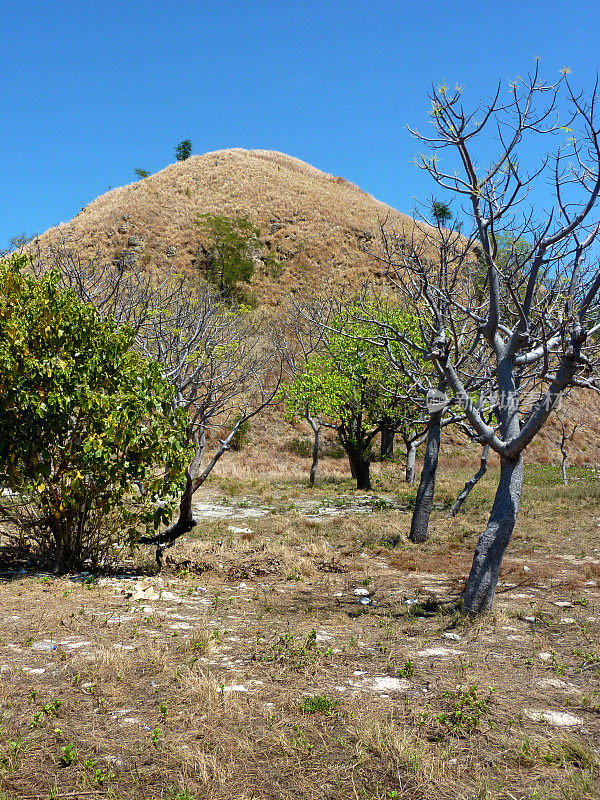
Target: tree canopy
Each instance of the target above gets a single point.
(351, 384)
(85, 423)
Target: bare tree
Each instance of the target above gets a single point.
(567, 432)
(431, 255)
(535, 311)
(224, 373)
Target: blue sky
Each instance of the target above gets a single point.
(91, 90)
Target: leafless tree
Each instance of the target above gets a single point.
(536, 310)
(224, 373)
(569, 425)
(299, 332)
(415, 261)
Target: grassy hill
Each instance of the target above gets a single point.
(311, 223)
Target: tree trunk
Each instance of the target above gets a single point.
(185, 521)
(471, 483)
(387, 443)
(361, 469)
(481, 586)
(420, 519)
(315, 455)
(411, 456)
(563, 466)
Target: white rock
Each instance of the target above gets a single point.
(563, 604)
(529, 619)
(233, 529)
(526, 569)
(439, 651)
(143, 592)
(545, 656)
(170, 596)
(567, 620)
(453, 636)
(387, 684)
(555, 683)
(361, 592)
(359, 672)
(235, 688)
(560, 718)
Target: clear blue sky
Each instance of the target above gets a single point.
(90, 90)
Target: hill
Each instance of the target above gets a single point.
(311, 223)
(315, 229)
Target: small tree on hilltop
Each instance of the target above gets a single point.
(183, 150)
(85, 423)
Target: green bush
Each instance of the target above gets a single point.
(232, 243)
(241, 437)
(90, 451)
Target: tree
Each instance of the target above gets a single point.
(85, 422)
(537, 312)
(440, 248)
(347, 383)
(223, 371)
(183, 150)
(441, 212)
(567, 432)
(141, 173)
(231, 245)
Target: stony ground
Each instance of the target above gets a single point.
(286, 651)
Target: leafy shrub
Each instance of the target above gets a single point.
(85, 423)
(241, 437)
(231, 246)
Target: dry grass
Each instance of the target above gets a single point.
(202, 692)
(311, 222)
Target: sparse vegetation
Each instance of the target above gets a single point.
(231, 246)
(296, 643)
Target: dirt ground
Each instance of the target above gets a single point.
(287, 651)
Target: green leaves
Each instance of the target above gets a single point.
(352, 379)
(84, 421)
(231, 245)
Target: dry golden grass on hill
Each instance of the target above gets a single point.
(313, 224)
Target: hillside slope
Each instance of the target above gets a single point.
(311, 223)
(315, 226)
